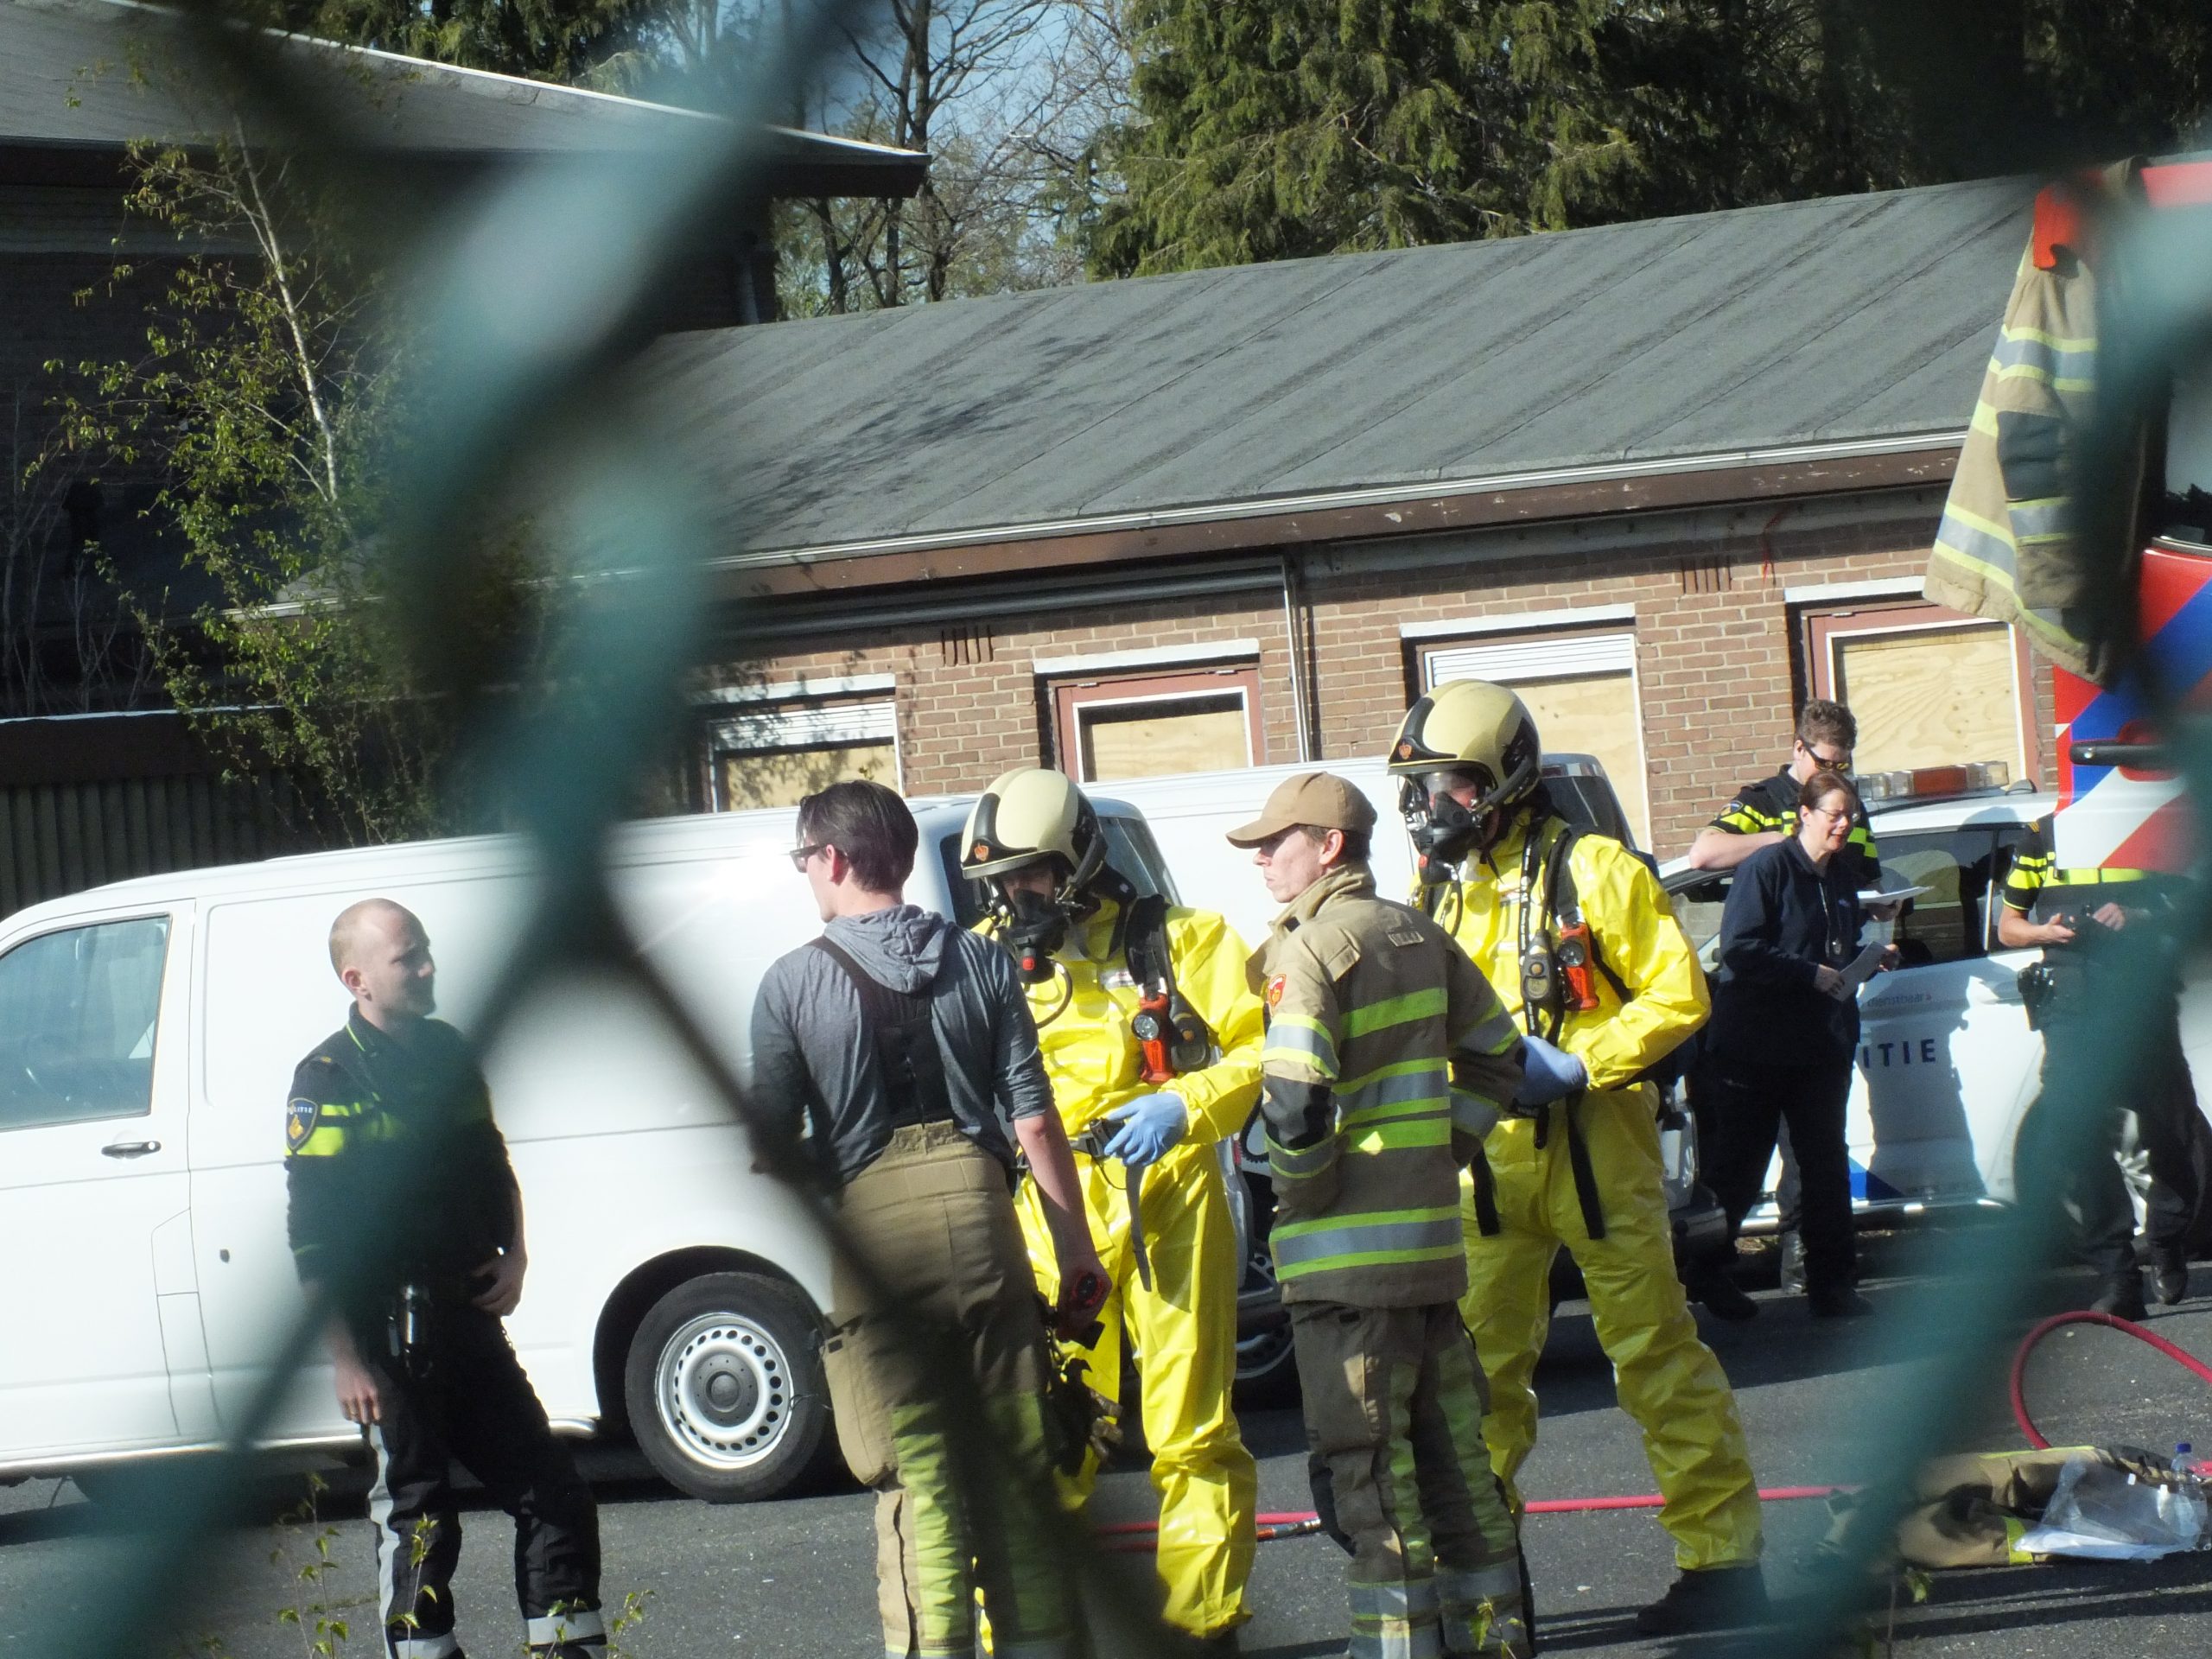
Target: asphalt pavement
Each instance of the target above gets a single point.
(794, 1576)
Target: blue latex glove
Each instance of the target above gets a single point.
(1150, 1124)
(1548, 1073)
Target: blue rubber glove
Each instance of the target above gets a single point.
(1548, 1073)
(1150, 1124)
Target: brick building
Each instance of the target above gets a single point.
(1668, 479)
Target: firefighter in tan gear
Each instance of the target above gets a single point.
(1151, 1037)
(1387, 1058)
(1576, 935)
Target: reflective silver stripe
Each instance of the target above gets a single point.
(2070, 365)
(1307, 1160)
(1369, 1100)
(1494, 1582)
(1471, 1114)
(2046, 519)
(1412, 1235)
(1392, 1600)
(1393, 1621)
(582, 1625)
(1494, 1036)
(1296, 1037)
(387, 1546)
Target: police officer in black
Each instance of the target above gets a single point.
(2084, 919)
(404, 1210)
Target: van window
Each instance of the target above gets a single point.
(77, 1014)
(1130, 849)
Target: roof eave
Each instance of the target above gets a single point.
(1219, 528)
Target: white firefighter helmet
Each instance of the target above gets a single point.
(1027, 815)
(1473, 728)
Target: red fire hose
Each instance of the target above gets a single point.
(1131, 1536)
(2181, 1356)
(1134, 1535)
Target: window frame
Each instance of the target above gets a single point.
(1821, 628)
(1069, 694)
(162, 991)
(728, 734)
(1606, 648)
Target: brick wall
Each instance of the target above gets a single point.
(1713, 626)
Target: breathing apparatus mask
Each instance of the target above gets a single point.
(1033, 926)
(1443, 831)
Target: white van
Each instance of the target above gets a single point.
(147, 1036)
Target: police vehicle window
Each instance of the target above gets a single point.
(1944, 925)
(77, 1015)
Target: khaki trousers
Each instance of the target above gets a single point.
(957, 1500)
(1393, 1411)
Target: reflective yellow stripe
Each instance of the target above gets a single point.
(1394, 1011)
(1435, 1129)
(328, 1140)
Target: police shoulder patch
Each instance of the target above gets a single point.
(299, 1121)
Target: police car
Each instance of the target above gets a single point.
(1946, 1064)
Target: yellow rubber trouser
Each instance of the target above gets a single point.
(1184, 1331)
(1667, 1379)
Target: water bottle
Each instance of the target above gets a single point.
(2190, 1467)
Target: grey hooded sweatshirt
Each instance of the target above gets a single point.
(814, 1067)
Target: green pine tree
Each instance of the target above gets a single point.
(1272, 129)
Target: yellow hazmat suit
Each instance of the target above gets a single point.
(1184, 1329)
(1667, 1379)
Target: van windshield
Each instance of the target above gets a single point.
(1130, 849)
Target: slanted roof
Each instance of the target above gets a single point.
(1856, 322)
(84, 77)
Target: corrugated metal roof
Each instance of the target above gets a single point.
(1839, 320)
(98, 73)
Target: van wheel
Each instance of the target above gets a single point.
(724, 1386)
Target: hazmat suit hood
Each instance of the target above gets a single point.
(902, 947)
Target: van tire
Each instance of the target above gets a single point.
(724, 1386)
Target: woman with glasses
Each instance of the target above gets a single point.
(1784, 1030)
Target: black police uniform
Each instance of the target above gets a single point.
(400, 1188)
(2060, 1005)
(1770, 807)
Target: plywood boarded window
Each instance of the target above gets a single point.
(1927, 685)
(1149, 725)
(776, 755)
(1580, 689)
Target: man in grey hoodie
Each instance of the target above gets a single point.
(893, 1044)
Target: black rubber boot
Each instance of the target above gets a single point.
(1723, 1297)
(2170, 1280)
(1718, 1598)
(2123, 1297)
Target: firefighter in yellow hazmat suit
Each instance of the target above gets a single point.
(1578, 939)
(1152, 1037)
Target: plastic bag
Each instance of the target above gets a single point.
(2100, 1513)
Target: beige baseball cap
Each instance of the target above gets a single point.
(1320, 799)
